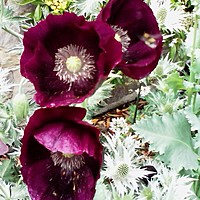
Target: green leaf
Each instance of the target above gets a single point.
(8, 171)
(195, 68)
(11, 191)
(102, 192)
(192, 119)
(102, 93)
(175, 82)
(170, 135)
(38, 13)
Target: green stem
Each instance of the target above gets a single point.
(112, 78)
(23, 80)
(1, 11)
(197, 187)
(137, 102)
(17, 35)
(192, 74)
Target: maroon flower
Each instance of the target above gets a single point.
(136, 28)
(66, 58)
(61, 155)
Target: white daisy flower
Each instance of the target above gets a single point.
(119, 125)
(171, 18)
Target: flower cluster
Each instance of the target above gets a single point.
(67, 58)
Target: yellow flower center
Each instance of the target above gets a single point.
(73, 64)
(58, 6)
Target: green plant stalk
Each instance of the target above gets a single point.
(192, 74)
(112, 78)
(22, 82)
(197, 187)
(2, 10)
(137, 101)
(17, 35)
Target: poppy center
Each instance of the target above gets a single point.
(67, 162)
(121, 36)
(73, 64)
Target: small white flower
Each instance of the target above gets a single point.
(165, 101)
(119, 125)
(164, 67)
(145, 90)
(171, 18)
(121, 161)
(123, 172)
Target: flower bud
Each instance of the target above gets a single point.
(20, 106)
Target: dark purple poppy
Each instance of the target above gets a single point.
(61, 155)
(137, 29)
(66, 58)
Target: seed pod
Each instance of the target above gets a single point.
(20, 106)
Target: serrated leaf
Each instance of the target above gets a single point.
(192, 119)
(102, 93)
(102, 192)
(13, 191)
(8, 171)
(19, 192)
(4, 190)
(196, 69)
(197, 141)
(175, 82)
(170, 135)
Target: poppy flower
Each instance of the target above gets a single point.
(61, 155)
(67, 58)
(137, 30)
